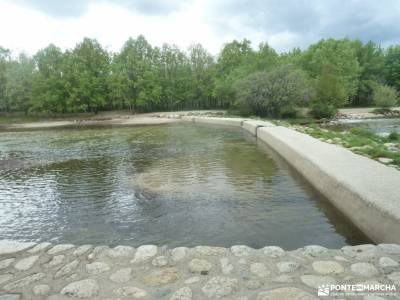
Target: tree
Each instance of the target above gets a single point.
(275, 93)
(385, 96)
(337, 57)
(233, 56)
(371, 60)
(19, 83)
(87, 70)
(392, 66)
(50, 92)
(330, 93)
(4, 59)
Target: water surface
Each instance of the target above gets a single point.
(167, 185)
(380, 126)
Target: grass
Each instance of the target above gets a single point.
(360, 141)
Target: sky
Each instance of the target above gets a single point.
(30, 25)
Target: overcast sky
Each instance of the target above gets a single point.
(28, 25)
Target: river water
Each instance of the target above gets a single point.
(380, 126)
(167, 185)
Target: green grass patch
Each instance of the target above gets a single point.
(360, 141)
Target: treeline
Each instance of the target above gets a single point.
(329, 74)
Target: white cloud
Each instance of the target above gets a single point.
(24, 28)
(31, 25)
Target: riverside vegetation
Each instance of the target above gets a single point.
(142, 78)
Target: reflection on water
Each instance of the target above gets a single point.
(380, 126)
(171, 184)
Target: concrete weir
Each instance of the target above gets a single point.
(365, 191)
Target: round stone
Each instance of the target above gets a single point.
(287, 266)
(315, 250)
(259, 269)
(201, 266)
(179, 253)
(16, 286)
(273, 251)
(39, 247)
(226, 267)
(253, 284)
(10, 297)
(58, 259)
(131, 291)
(67, 269)
(97, 267)
(316, 281)
(209, 251)
(121, 251)
(327, 267)
(121, 276)
(10, 247)
(387, 264)
(5, 277)
(390, 248)
(184, 293)
(5, 263)
(241, 250)
(395, 277)
(145, 252)
(41, 290)
(160, 277)
(287, 293)
(60, 248)
(219, 286)
(160, 261)
(82, 250)
(364, 269)
(81, 289)
(192, 280)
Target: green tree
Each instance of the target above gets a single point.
(233, 56)
(50, 92)
(371, 60)
(4, 60)
(87, 71)
(275, 93)
(334, 58)
(19, 83)
(392, 66)
(385, 96)
(202, 77)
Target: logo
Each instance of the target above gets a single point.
(323, 290)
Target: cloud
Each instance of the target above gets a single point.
(33, 24)
(76, 8)
(301, 22)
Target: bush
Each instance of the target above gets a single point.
(394, 136)
(273, 94)
(321, 110)
(385, 96)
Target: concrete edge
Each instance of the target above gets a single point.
(371, 207)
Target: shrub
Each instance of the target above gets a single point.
(385, 96)
(273, 94)
(394, 136)
(321, 110)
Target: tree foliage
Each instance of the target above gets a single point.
(274, 93)
(88, 78)
(385, 96)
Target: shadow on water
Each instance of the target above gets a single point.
(338, 221)
(171, 184)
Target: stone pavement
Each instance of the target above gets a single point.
(65, 271)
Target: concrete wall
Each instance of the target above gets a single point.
(366, 191)
(219, 121)
(252, 125)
